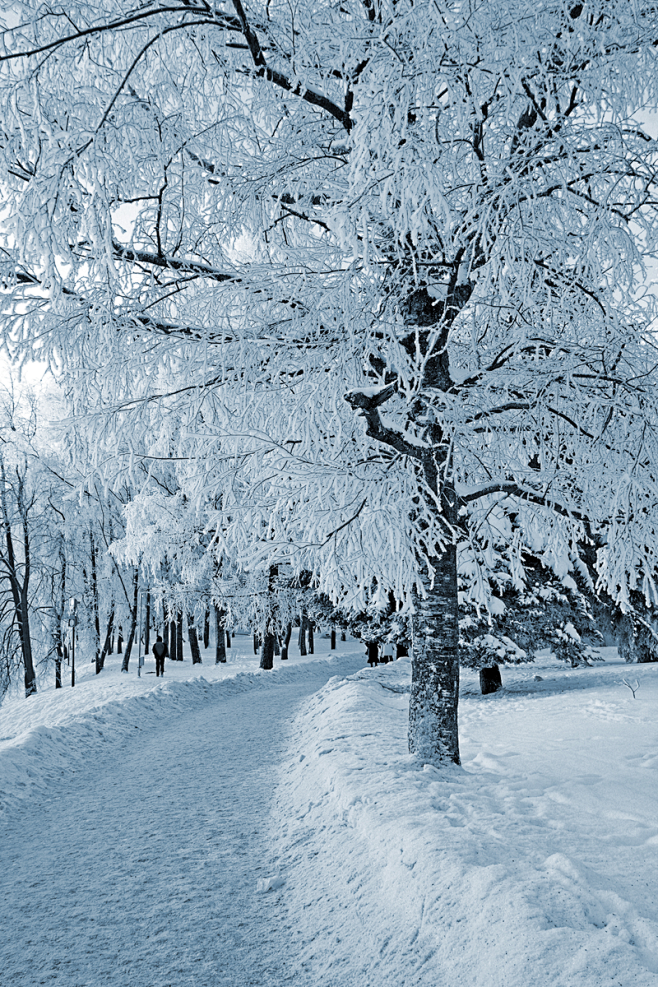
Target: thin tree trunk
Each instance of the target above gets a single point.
(60, 598)
(193, 639)
(147, 624)
(220, 640)
(303, 625)
(172, 640)
(311, 641)
(133, 620)
(333, 638)
(256, 642)
(433, 733)
(269, 639)
(93, 554)
(286, 642)
(18, 588)
(228, 639)
(206, 629)
(100, 660)
(179, 635)
(58, 667)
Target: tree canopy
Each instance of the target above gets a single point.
(373, 273)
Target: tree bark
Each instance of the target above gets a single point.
(147, 624)
(101, 655)
(220, 640)
(93, 555)
(206, 629)
(311, 639)
(433, 734)
(303, 624)
(60, 598)
(490, 680)
(269, 636)
(133, 620)
(333, 638)
(228, 639)
(286, 642)
(179, 635)
(193, 639)
(267, 654)
(172, 640)
(19, 588)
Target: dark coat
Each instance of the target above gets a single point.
(160, 649)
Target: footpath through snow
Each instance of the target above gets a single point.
(144, 859)
(136, 857)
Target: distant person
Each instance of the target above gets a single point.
(373, 652)
(160, 652)
(387, 652)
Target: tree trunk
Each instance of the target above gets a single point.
(311, 640)
(133, 621)
(256, 642)
(333, 638)
(60, 598)
(18, 588)
(93, 555)
(490, 680)
(303, 624)
(101, 655)
(58, 667)
(267, 654)
(286, 642)
(220, 640)
(147, 624)
(206, 629)
(172, 640)
(269, 636)
(228, 639)
(179, 635)
(193, 639)
(433, 734)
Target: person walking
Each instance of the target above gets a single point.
(160, 651)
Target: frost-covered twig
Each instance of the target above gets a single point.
(633, 688)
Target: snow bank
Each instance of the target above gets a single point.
(535, 864)
(59, 730)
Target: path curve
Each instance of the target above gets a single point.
(142, 869)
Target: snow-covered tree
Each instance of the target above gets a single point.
(246, 225)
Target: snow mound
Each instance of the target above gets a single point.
(535, 863)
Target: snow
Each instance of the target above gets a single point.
(270, 828)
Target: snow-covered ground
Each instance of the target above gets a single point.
(270, 828)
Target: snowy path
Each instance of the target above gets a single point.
(142, 869)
